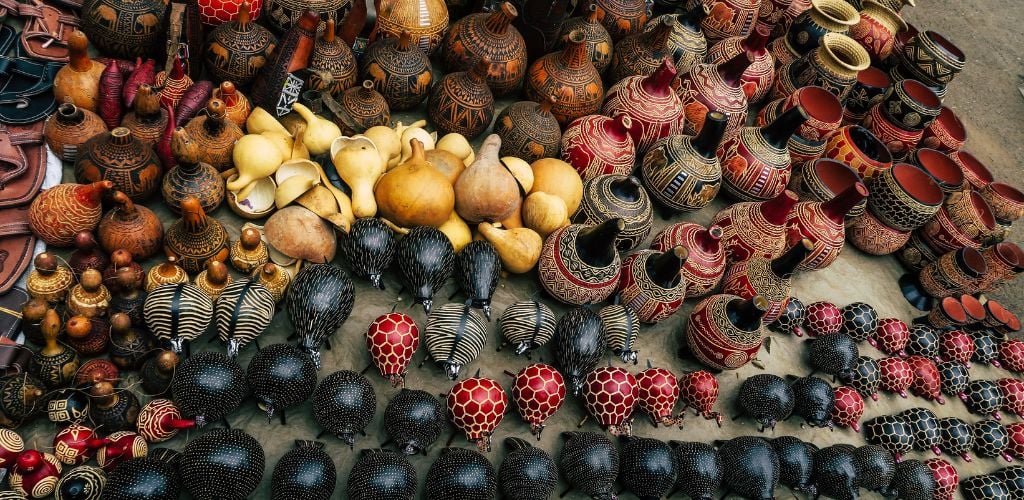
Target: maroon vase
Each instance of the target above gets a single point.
(756, 165)
(650, 103)
(598, 145)
(710, 87)
(705, 262)
(824, 224)
(771, 279)
(755, 228)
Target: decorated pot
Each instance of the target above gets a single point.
(687, 42)
(683, 173)
(823, 179)
(126, 28)
(724, 331)
(705, 262)
(823, 224)
(1006, 201)
(710, 87)
(529, 131)
(236, 50)
(569, 69)
(904, 197)
(621, 17)
(752, 229)
(399, 69)
(579, 264)
(489, 36)
(652, 284)
(598, 40)
(833, 66)
(940, 167)
(756, 165)
(954, 273)
(819, 18)
(758, 78)
(857, 147)
(461, 102)
(931, 58)
(768, 279)
(963, 221)
(869, 89)
(282, 15)
(910, 105)
(728, 18)
(652, 106)
(876, 31)
(946, 133)
(975, 172)
(617, 196)
(640, 54)
(597, 145)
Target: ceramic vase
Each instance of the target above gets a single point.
(824, 115)
(597, 145)
(725, 332)
(857, 147)
(823, 224)
(876, 31)
(358, 109)
(866, 92)
(69, 128)
(489, 36)
(705, 261)
(833, 65)
(954, 273)
(728, 18)
(946, 133)
(652, 106)
(687, 43)
(125, 28)
(770, 279)
(756, 162)
(283, 15)
(121, 158)
(711, 87)
(682, 173)
(871, 236)
(904, 197)
(823, 179)
(752, 229)
(642, 53)
(931, 58)
(579, 265)
(758, 78)
(332, 66)
(622, 17)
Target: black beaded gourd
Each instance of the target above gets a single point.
(426, 259)
(579, 345)
(956, 437)
(913, 480)
(243, 311)
(526, 472)
(890, 432)
(751, 467)
(343, 404)
(369, 247)
(876, 466)
(984, 487)
(647, 466)
(791, 320)
(834, 354)
(208, 386)
(767, 398)
(280, 376)
(866, 377)
(527, 325)
(698, 469)
(461, 473)
(621, 327)
(983, 397)
(380, 474)
(305, 472)
(319, 301)
(84, 482)
(455, 334)
(178, 313)
(116, 409)
(589, 463)
(142, 479)
(836, 473)
(953, 378)
(413, 420)
(925, 426)
(1013, 479)
(796, 463)
(986, 349)
(859, 320)
(990, 440)
(814, 400)
(923, 341)
(223, 463)
(67, 406)
(478, 268)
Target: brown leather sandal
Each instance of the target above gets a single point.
(16, 245)
(22, 163)
(45, 35)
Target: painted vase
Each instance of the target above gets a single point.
(399, 69)
(954, 273)
(823, 224)
(709, 87)
(283, 15)
(857, 147)
(752, 229)
(121, 158)
(622, 17)
(215, 135)
(597, 145)
(770, 279)
(758, 78)
(57, 214)
(652, 106)
(332, 66)
(640, 54)
(756, 165)
(489, 36)
(569, 69)
(652, 285)
(130, 227)
(598, 41)
(728, 18)
(529, 131)
(69, 128)
(461, 102)
(833, 66)
(682, 173)
(238, 49)
(126, 29)
(425, 20)
(705, 261)
(579, 264)
(904, 197)
(191, 177)
(822, 180)
(617, 196)
(931, 58)
(687, 43)
(196, 238)
(725, 332)
(876, 31)
(868, 91)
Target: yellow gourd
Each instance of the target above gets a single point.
(282, 141)
(344, 218)
(457, 231)
(456, 144)
(554, 176)
(519, 248)
(419, 134)
(359, 164)
(259, 121)
(544, 213)
(255, 157)
(388, 143)
(320, 132)
(446, 163)
(520, 170)
(415, 193)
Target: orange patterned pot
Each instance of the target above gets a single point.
(871, 236)
(857, 147)
(1006, 201)
(897, 139)
(975, 172)
(953, 273)
(752, 229)
(709, 87)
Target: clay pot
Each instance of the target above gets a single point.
(70, 127)
(597, 145)
(752, 229)
(529, 131)
(725, 332)
(613, 196)
(640, 54)
(975, 172)
(652, 106)
(687, 43)
(569, 69)
(709, 87)
(823, 179)
(1006, 201)
(79, 80)
(756, 162)
(931, 58)
(652, 285)
(941, 235)
(400, 71)
(131, 227)
(489, 36)
(191, 177)
(970, 213)
(215, 135)
(876, 31)
(461, 102)
(59, 213)
(705, 262)
(871, 236)
(946, 133)
(48, 282)
(55, 364)
(770, 279)
(87, 254)
(196, 238)
(824, 114)
(728, 18)
(118, 156)
(147, 120)
(954, 273)
(904, 197)
(940, 167)
(579, 265)
(809, 28)
(596, 38)
(833, 66)
(332, 65)
(911, 105)
(1003, 260)
(947, 314)
(425, 20)
(682, 173)
(897, 139)
(238, 49)
(823, 224)
(621, 17)
(869, 89)
(857, 147)
(758, 78)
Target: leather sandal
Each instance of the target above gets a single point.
(16, 245)
(26, 86)
(22, 163)
(46, 30)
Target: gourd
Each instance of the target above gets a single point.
(457, 231)
(518, 248)
(260, 121)
(457, 144)
(359, 164)
(486, 190)
(446, 163)
(520, 170)
(255, 157)
(415, 131)
(415, 193)
(544, 213)
(320, 132)
(388, 143)
(554, 176)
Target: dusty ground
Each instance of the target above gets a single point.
(986, 98)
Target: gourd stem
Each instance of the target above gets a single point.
(706, 142)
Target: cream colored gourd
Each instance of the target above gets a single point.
(255, 157)
(419, 134)
(457, 231)
(259, 121)
(415, 193)
(518, 249)
(544, 213)
(344, 218)
(486, 191)
(446, 163)
(554, 176)
(388, 143)
(515, 220)
(457, 144)
(359, 164)
(520, 170)
(320, 132)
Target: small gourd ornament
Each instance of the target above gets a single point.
(579, 264)
(55, 364)
(113, 409)
(425, 261)
(413, 420)
(280, 376)
(332, 66)
(579, 345)
(208, 386)
(84, 482)
(461, 473)
(167, 272)
(50, 280)
(21, 397)
(35, 474)
(652, 284)
(526, 472)
(32, 314)
(158, 371)
(121, 259)
(380, 473)
(130, 227)
(307, 471)
(237, 105)
(274, 278)
(538, 391)
(319, 301)
(178, 313)
(621, 327)
(191, 176)
(392, 339)
(148, 120)
(79, 81)
(243, 311)
(249, 252)
(344, 404)
(215, 134)
(527, 325)
(118, 447)
(478, 271)
(214, 279)
(369, 248)
(196, 238)
(68, 407)
(236, 50)
(128, 346)
(11, 445)
(88, 336)
(87, 254)
(476, 406)
(455, 334)
(223, 463)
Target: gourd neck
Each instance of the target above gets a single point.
(618, 127)
(709, 240)
(91, 195)
(776, 210)
(659, 83)
(498, 21)
(778, 132)
(126, 209)
(664, 268)
(214, 123)
(595, 245)
(229, 94)
(746, 314)
(404, 42)
(575, 53)
(756, 43)
(841, 204)
(692, 18)
(785, 265)
(626, 189)
(121, 136)
(593, 14)
(69, 114)
(657, 38)
(732, 70)
(193, 216)
(244, 14)
(78, 52)
(707, 140)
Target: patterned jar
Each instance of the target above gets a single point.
(758, 78)
(857, 147)
(823, 179)
(652, 285)
(705, 261)
(946, 133)
(823, 224)
(709, 87)
(617, 196)
(897, 139)
(597, 145)
(755, 162)
(489, 36)
(579, 264)
(808, 30)
(751, 229)
(904, 197)
(954, 273)
(687, 43)
(621, 17)
(728, 18)
(681, 172)
(597, 40)
(877, 29)
(725, 332)
(119, 157)
(1006, 201)
(425, 20)
(871, 236)
(871, 86)
(931, 58)
(833, 66)
(651, 104)
(569, 69)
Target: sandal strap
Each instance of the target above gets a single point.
(12, 156)
(8, 36)
(14, 223)
(44, 72)
(8, 7)
(46, 30)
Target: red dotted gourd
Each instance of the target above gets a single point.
(927, 381)
(392, 339)
(538, 391)
(946, 478)
(609, 395)
(476, 406)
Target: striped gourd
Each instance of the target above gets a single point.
(178, 312)
(454, 336)
(319, 301)
(621, 328)
(527, 325)
(243, 311)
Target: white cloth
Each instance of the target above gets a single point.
(54, 174)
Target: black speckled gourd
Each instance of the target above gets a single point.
(579, 345)
(208, 386)
(413, 420)
(306, 471)
(319, 301)
(621, 328)
(815, 400)
(589, 463)
(698, 469)
(280, 376)
(834, 353)
(223, 463)
(381, 474)
(796, 462)
(142, 479)
(478, 269)
(343, 404)
(648, 467)
(876, 466)
(369, 248)
(526, 472)
(767, 398)
(751, 467)
(425, 261)
(836, 473)
(461, 473)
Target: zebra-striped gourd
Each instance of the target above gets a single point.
(244, 310)
(178, 313)
(579, 345)
(319, 301)
(527, 325)
(454, 336)
(621, 328)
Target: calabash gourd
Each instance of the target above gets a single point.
(457, 231)
(518, 248)
(554, 176)
(359, 164)
(388, 142)
(320, 132)
(260, 121)
(255, 157)
(458, 145)
(544, 213)
(415, 193)
(486, 190)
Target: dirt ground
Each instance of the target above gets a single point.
(986, 98)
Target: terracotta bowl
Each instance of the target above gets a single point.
(931, 58)
(857, 147)
(954, 273)
(946, 133)
(942, 235)
(823, 179)
(971, 213)
(975, 172)
(911, 104)
(823, 109)
(871, 236)
(995, 315)
(947, 313)
(941, 167)
(1006, 201)
(899, 140)
(868, 91)
(972, 306)
(904, 197)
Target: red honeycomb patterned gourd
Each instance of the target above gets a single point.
(609, 394)
(538, 392)
(217, 12)
(1013, 395)
(476, 406)
(1016, 444)
(392, 339)
(946, 478)
(891, 336)
(1011, 354)
(896, 375)
(957, 346)
(699, 390)
(848, 409)
(927, 381)
(822, 318)
(658, 393)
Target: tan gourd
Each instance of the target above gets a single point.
(214, 279)
(446, 163)
(456, 144)
(320, 132)
(166, 272)
(283, 141)
(358, 164)
(410, 133)
(275, 278)
(520, 170)
(554, 176)
(79, 80)
(215, 134)
(415, 193)
(515, 220)
(457, 231)
(255, 157)
(343, 218)
(486, 191)
(249, 251)
(544, 213)
(519, 248)
(260, 121)
(388, 143)
(320, 201)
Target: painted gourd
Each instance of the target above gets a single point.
(243, 311)
(280, 376)
(319, 301)
(454, 336)
(343, 404)
(223, 463)
(178, 313)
